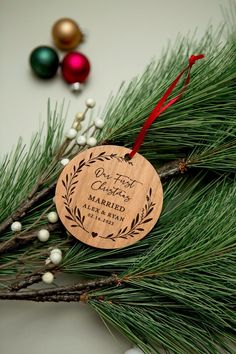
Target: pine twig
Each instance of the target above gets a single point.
(25, 206)
(25, 235)
(32, 278)
(24, 283)
(76, 125)
(74, 297)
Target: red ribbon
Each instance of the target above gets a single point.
(160, 107)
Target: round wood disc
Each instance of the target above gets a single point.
(107, 201)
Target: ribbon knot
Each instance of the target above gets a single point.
(194, 58)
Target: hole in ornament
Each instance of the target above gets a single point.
(127, 157)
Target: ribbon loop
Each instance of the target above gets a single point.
(161, 106)
(194, 58)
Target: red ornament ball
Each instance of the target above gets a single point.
(75, 67)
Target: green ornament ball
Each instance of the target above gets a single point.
(44, 62)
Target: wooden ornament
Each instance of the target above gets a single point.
(106, 200)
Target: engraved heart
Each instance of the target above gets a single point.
(94, 234)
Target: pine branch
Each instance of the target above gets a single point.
(176, 287)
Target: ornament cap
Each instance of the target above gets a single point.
(76, 87)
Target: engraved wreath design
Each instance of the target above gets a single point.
(74, 214)
(135, 227)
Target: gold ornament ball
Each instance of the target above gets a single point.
(66, 34)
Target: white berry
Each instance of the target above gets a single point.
(76, 125)
(55, 258)
(91, 141)
(81, 140)
(90, 103)
(43, 235)
(64, 162)
(52, 217)
(47, 277)
(71, 133)
(79, 116)
(16, 226)
(56, 250)
(134, 350)
(99, 123)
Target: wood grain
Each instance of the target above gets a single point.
(107, 201)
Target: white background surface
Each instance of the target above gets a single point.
(122, 37)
